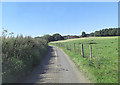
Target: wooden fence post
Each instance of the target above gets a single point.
(66, 46)
(78, 47)
(82, 50)
(74, 48)
(90, 52)
(70, 47)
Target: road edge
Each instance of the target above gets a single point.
(76, 68)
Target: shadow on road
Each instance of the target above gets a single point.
(38, 73)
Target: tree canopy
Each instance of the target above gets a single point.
(104, 32)
(83, 34)
(54, 37)
(107, 32)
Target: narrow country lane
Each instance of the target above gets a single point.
(56, 67)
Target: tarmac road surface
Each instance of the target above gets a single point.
(56, 67)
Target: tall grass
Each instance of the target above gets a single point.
(19, 55)
(104, 65)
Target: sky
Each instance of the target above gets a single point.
(67, 18)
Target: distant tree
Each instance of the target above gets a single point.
(110, 32)
(87, 35)
(107, 32)
(51, 38)
(114, 31)
(75, 36)
(97, 33)
(83, 34)
(66, 37)
(91, 34)
(38, 37)
(118, 32)
(47, 37)
(57, 37)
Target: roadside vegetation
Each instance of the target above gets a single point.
(103, 67)
(20, 55)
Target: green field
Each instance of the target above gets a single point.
(103, 68)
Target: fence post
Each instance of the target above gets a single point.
(66, 46)
(78, 47)
(70, 47)
(82, 50)
(74, 48)
(90, 52)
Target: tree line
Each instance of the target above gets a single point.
(103, 32)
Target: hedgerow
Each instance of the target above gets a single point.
(20, 55)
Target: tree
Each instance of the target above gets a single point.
(83, 34)
(47, 37)
(92, 34)
(97, 33)
(57, 37)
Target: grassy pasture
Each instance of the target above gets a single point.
(104, 65)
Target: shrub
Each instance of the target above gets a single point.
(20, 54)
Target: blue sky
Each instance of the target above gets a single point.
(40, 18)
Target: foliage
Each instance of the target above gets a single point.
(54, 37)
(48, 38)
(19, 55)
(71, 36)
(83, 34)
(57, 37)
(107, 32)
(103, 32)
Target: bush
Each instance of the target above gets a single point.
(20, 54)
